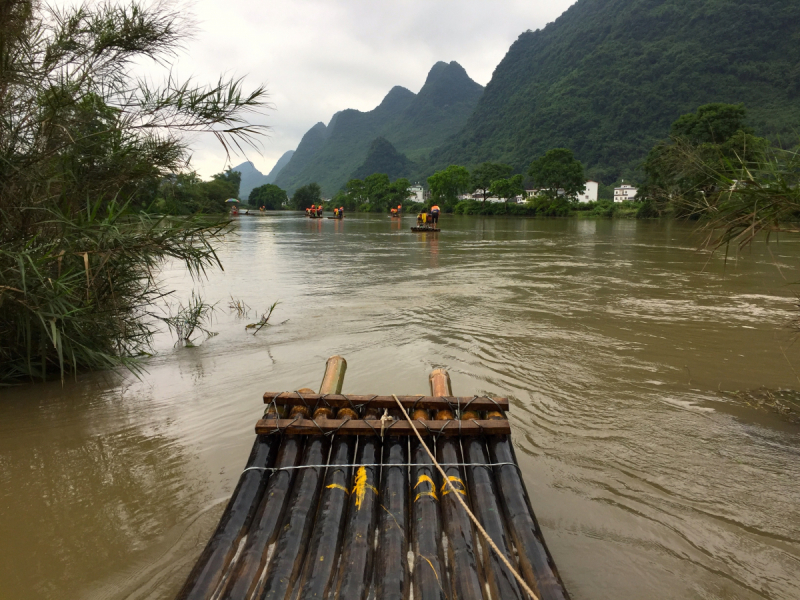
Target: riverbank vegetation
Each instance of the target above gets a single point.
(715, 170)
(85, 147)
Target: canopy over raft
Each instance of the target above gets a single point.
(341, 499)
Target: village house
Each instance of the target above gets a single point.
(624, 192)
(590, 192)
(416, 193)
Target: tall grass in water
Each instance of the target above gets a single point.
(192, 318)
(83, 146)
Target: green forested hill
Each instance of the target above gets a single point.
(608, 77)
(312, 141)
(383, 158)
(413, 123)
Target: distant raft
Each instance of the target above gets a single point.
(339, 493)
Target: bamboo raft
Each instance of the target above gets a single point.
(418, 228)
(340, 500)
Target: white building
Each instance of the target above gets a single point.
(416, 193)
(590, 192)
(624, 192)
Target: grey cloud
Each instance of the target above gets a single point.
(321, 56)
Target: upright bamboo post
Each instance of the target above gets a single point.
(355, 569)
(464, 581)
(536, 565)
(486, 507)
(209, 569)
(333, 379)
(429, 579)
(284, 568)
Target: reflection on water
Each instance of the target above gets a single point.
(613, 339)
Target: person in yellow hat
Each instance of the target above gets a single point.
(434, 215)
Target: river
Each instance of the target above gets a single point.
(615, 340)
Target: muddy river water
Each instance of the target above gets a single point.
(616, 341)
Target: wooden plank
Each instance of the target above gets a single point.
(381, 402)
(360, 427)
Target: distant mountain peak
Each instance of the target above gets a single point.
(382, 157)
(253, 178)
(443, 69)
(391, 138)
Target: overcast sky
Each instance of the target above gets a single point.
(317, 57)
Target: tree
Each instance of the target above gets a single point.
(711, 123)
(270, 196)
(377, 190)
(484, 174)
(683, 171)
(307, 195)
(356, 191)
(398, 192)
(507, 188)
(84, 147)
(232, 178)
(557, 173)
(445, 186)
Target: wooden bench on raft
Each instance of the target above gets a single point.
(341, 499)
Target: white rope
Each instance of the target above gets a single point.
(453, 489)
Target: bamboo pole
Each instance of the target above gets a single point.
(325, 545)
(382, 402)
(464, 581)
(355, 569)
(429, 578)
(391, 564)
(333, 379)
(244, 578)
(402, 428)
(485, 505)
(298, 523)
(215, 559)
(536, 563)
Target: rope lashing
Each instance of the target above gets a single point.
(472, 517)
(385, 419)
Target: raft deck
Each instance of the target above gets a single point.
(340, 500)
(425, 228)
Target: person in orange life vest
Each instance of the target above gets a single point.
(434, 214)
(341, 212)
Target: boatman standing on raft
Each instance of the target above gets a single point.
(435, 215)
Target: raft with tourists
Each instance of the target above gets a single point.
(315, 212)
(428, 221)
(355, 496)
